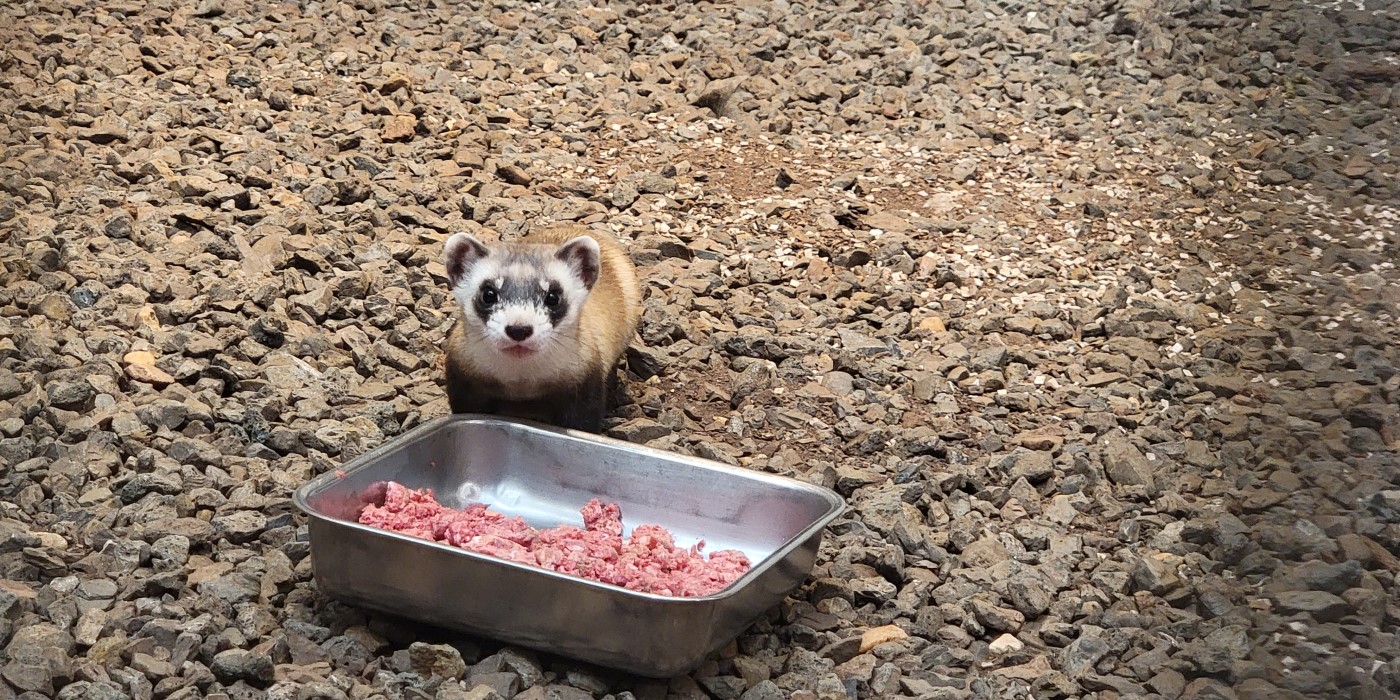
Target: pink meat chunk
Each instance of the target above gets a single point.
(649, 560)
(601, 517)
(408, 511)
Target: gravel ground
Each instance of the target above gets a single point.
(1087, 307)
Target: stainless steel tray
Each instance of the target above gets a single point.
(545, 475)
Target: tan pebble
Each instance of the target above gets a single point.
(147, 317)
(52, 540)
(149, 374)
(933, 324)
(399, 128)
(1004, 644)
(881, 635)
(139, 357)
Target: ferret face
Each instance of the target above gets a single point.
(519, 299)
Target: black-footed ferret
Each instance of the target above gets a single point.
(541, 324)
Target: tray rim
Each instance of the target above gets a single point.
(836, 504)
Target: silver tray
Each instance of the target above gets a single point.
(545, 475)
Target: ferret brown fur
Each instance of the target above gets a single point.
(568, 383)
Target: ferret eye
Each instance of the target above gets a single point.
(488, 295)
(551, 299)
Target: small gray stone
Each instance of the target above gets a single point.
(1218, 651)
(654, 183)
(524, 663)
(586, 680)
(1154, 575)
(245, 76)
(1126, 465)
(1082, 654)
(842, 650)
(193, 529)
(839, 383)
(554, 692)
(514, 174)
(170, 553)
(28, 678)
(142, 484)
(240, 526)
(964, 170)
(504, 683)
(1033, 466)
(988, 359)
(99, 690)
(623, 194)
(1167, 682)
(885, 680)
(15, 538)
(163, 413)
(28, 644)
(640, 431)
(119, 224)
(151, 666)
(861, 344)
(1029, 595)
(436, 660)
(10, 386)
(1222, 385)
(235, 587)
(1320, 576)
(756, 377)
(1321, 605)
(723, 687)
(97, 589)
(234, 665)
(70, 395)
(996, 617)
(1386, 505)
(1207, 689)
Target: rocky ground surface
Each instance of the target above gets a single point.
(1087, 307)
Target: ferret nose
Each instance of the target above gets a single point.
(519, 333)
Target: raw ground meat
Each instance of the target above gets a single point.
(647, 561)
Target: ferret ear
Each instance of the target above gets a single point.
(581, 252)
(461, 252)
